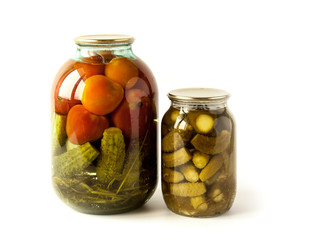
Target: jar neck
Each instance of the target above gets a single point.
(211, 105)
(103, 52)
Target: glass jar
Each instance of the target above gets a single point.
(198, 153)
(104, 127)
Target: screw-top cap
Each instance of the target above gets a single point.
(104, 39)
(198, 94)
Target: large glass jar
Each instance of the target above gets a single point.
(198, 153)
(104, 127)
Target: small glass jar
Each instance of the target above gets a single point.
(104, 127)
(198, 153)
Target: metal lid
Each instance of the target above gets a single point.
(104, 39)
(198, 94)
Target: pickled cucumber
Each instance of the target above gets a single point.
(187, 189)
(164, 129)
(176, 158)
(171, 117)
(171, 176)
(172, 141)
(215, 193)
(215, 177)
(199, 203)
(222, 123)
(204, 123)
(74, 161)
(174, 115)
(200, 159)
(201, 121)
(211, 168)
(69, 145)
(111, 160)
(190, 172)
(228, 163)
(58, 133)
(211, 145)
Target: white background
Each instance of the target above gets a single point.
(265, 53)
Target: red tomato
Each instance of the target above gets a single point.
(62, 105)
(133, 114)
(83, 126)
(143, 85)
(101, 95)
(64, 88)
(123, 71)
(87, 70)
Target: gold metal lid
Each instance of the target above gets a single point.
(104, 39)
(198, 94)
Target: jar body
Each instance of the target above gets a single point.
(104, 134)
(198, 159)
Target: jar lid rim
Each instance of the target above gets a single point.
(198, 94)
(99, 39)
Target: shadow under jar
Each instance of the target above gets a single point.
(104, 127)
(198, 153)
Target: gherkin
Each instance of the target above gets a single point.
(172, 141)
(176, 158)
(58, 133)
(187, 189)
(175, 140)
(111, 160)
(75, 160)
(211, 168)
(212, 145)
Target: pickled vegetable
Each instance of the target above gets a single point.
(83, 126)
(172, 176)
(201, 121)
(133, 114)
(216, 193)
(215, 176)
(174, 116)
(199, 203)
(211, 145)
(111, 160)
(74, 161)
(101, 95)
(187, 189)
(58, 133)
(190, 172)
(176, 158)
(223, 123)
(171, 117)
(204, 123)
(211, 168)
(122, 71)
(200, 160)
(69, 145)
(173, 141)
(228, 165)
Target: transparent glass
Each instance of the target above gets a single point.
(104, 130)
(198, 158)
